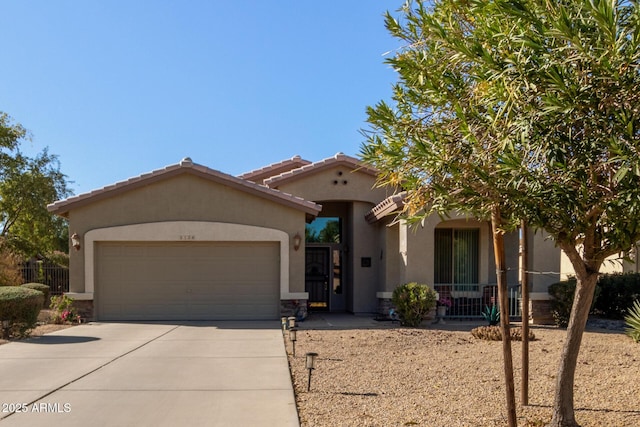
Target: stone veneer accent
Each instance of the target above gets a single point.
(540, 312)
(294, 307)
(384, 305)
(84, 308)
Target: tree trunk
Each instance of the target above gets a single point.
(563, 412)
(524, 391)
(503, 297)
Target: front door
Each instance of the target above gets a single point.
(317, 269)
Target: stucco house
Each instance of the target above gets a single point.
(189, 242)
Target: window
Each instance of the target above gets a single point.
(457, 253)
(323, 230)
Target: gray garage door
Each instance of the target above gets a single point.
(187, 280)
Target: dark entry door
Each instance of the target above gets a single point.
(317, 269)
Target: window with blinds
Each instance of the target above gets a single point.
(457, 253)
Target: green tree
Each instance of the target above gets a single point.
(27, 185)
(520, 109)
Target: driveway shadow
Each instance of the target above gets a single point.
(59, 339)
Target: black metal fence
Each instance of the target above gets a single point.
(468, 301)
(48, 273)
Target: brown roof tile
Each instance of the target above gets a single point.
(388, 206)
(62, 207)
(259, 175)
(338, 159)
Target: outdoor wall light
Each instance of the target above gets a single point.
(297, 240)
(293, 337)
(311, 365)
(75, 241)
(292, 322)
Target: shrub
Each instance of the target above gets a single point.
(562, 293)
(632, 319)
(616, 293)
(10, 274)
(413, 303)
(20, 306)
(494, 333)
(39, 287)
(63, 309)
(613, 297)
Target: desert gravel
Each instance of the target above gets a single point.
(435, 376)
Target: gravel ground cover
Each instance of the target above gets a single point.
(435, 376)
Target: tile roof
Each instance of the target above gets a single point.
(273, 169)
(62, 207)
(388, 206)
(338, 159)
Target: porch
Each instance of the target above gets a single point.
(469, 300)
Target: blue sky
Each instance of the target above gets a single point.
(118, 88)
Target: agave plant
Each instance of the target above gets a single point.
(633, 321)
(491, 315)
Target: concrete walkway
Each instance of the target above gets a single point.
(149, 374)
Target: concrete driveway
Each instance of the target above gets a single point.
(149, 374)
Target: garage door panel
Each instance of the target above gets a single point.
(182, 281)
(147, 311)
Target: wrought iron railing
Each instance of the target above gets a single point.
(469, 300)
(53, 275)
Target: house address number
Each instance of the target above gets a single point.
(187, 237)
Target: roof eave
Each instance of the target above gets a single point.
(390, 205)
(62, 207)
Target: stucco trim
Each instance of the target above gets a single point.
(181, 231)
(384, 295)
(539, 296)
(80, 296)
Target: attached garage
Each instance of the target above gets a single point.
(186, 243)
(187, 280)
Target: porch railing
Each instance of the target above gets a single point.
(469, 300)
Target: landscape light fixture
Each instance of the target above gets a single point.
(75, 241)
(5, 329)
(293, 337)
(284, 324)
(292, 322)
(297, 240)
(311, 365)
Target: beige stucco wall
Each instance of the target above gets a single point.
(410, 251)
(632, 265)
(336, 183)
(390, 263)
(364, 244)
(544, 262)
(187, 198)
(613, 264)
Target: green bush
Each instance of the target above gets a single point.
(64, 311)
(413, 303)
(20, 306)
(42, 288)
(632, 319)
(562, 301)
(616, 294)
(562, 293)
